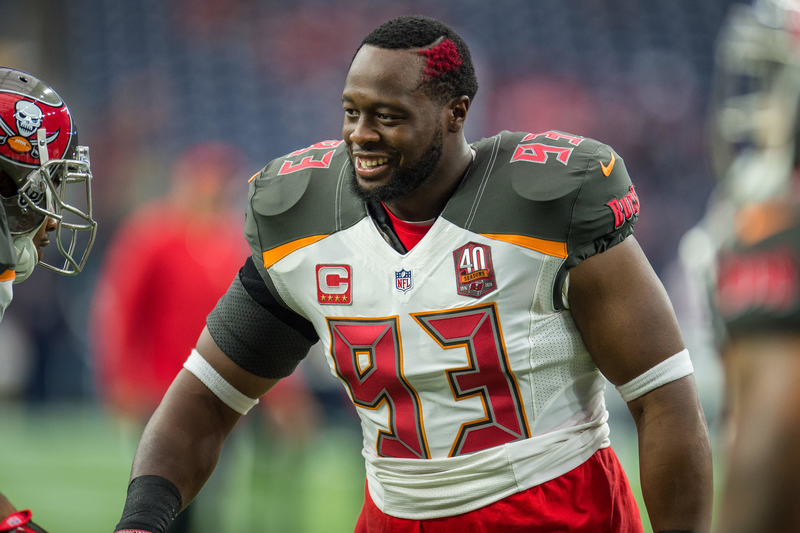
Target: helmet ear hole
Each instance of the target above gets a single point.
(7, 186)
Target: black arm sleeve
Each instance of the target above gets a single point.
(256, 331)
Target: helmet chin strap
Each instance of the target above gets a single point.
(6, 295)
(27, 255)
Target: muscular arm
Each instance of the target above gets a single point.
(184, 438)
(628, 325)
(762, 490)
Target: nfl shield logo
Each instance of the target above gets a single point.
(402, 280)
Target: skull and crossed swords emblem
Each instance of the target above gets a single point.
(29, 118)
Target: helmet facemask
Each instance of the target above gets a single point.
(54, 190)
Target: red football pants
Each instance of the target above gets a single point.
(592, 498)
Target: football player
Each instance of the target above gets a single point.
(469, 297)
(750, 239)
(40, 165)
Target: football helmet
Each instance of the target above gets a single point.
(756, 100)
(43, 172)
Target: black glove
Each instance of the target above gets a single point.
(20, 522)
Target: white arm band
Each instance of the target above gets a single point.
(674, 368)
(217, 384)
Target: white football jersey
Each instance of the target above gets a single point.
(469, 375)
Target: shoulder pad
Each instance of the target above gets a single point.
(284, 180)
(560, 194)
(563, 155)
(552, 186)
(305, 194)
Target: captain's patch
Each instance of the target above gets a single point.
(334, 284)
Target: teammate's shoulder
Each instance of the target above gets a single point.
(757, 273)
(285, 180)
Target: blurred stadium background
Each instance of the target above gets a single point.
(149, 79)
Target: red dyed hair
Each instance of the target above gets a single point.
(442, 58)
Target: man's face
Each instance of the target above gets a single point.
(392, 129)
(42, 237)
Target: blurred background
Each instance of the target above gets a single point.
(180, 102)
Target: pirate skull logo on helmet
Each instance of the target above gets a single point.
(29, 117)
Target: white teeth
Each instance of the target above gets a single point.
(373, 163)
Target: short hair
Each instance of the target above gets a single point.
(449, 72)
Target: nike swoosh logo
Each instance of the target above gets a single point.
(607, 169)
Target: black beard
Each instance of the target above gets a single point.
(404, 180)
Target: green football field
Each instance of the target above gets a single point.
(70, 465)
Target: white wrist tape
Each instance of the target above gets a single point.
(217, 384)
(674, 368)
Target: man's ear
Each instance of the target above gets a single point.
(457, 113)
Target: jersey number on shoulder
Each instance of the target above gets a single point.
(369, 358)
(309, 162)
(538, 152)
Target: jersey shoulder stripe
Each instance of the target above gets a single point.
(553, 248)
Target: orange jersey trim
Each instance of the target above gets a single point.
(8, 275)
(276, 254)
(554, 248)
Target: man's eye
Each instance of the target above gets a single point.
(350, 112)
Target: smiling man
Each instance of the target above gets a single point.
(470, 298)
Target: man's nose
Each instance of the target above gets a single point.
(363, 133)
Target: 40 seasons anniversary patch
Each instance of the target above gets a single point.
(474, 271)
